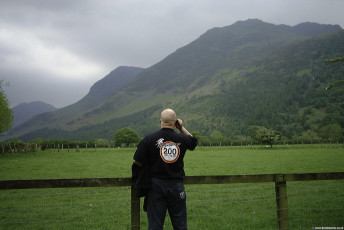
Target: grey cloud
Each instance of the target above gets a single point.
(38, 86)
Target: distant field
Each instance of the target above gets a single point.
(203, 161)
(234, 206)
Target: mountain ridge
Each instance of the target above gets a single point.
(25, 111)
(196, 77)
(190, 67)
(117, 78)
(310, 28)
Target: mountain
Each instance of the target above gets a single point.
(25, 111)
(310, 29)
(106, 87)
(249, 73)
(193, 69)
(98, 93)
(286, 91)
(218, 48)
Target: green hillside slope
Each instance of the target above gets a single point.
(249, 73)
(64, 118)
(285, 92)
(193, 70)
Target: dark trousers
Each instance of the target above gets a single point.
(167, 195)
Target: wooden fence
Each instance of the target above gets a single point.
(280, 181)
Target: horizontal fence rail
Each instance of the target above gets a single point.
(126, 181)
(280, 181)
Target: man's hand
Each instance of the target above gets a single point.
(179, 125)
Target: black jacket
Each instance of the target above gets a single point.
(141, 177)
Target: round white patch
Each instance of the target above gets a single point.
(169, 152)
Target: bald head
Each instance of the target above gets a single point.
(168, 119)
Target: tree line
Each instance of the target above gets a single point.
(16, 145)
(128, 137)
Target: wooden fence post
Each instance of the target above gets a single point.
(282, 202)
(135, 209)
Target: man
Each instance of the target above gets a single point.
(162, 153)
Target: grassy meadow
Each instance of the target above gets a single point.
(231, 206)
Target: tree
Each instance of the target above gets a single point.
(196, 134)
(263, 135)
(334, 83)
(217, 137)
(126, 136)
(330, 132)
(102, 142)
(6, 116)
(338, 82)
(91, 142)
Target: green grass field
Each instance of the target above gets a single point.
(231, 206)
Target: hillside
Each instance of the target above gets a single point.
(106, 87)
(285, 91)
(98, 93)
(310, 29)
(193, 69)
(249, 73)
(25, 111)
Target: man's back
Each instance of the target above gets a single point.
(163, 152)
(161, 155)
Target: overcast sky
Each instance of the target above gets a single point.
(55, 50)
